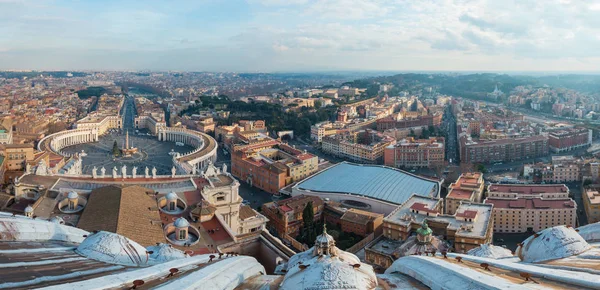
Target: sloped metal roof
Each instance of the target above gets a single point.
(374, 181)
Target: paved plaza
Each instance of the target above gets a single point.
(152, 153)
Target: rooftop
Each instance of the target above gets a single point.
(479, 215)
(528, 188)
(533, 203)
(374, 181)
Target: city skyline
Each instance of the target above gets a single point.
(299, 35)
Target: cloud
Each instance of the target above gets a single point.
(277, 34)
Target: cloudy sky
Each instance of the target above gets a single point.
(301, 35)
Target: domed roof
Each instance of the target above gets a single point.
(172, 196)
(29, 209)
(551, 244)
(113, 249)
(490, 251)
(164, 252)
(181, 223)
(72, 194)
(307, 271)
(590, 233)
(324, 238)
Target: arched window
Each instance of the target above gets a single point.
(172, 205)
(71, 205)
(182, 235)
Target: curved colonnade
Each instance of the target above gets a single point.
(189, 163)
(56, 142)
(196, 160)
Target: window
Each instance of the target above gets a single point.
(182, 234)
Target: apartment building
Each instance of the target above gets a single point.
(471, 226)
(526, 208)
(410, 152)
(285, 216)
(365, 146)
(271, 165)
(591, 203)
(352, 220)
(467, 188)
(501, 150)
(569, 139)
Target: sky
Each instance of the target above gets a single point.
(301, 35)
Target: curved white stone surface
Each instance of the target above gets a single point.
(113, 249)
(551, 244)
(439, 274)
(490, 251)
(165, 252)
(226, 274)
(590, 233)
(327, 272)
(20, 228)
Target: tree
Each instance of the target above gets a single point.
(115, 150)
(318, 104)
(481, 168)
(308, 218)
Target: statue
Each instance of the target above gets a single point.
(153, 172)
(194, 170)
(114, 173)
(224, 170)
(95, 172)
(124, 171)
(146, 173)
(173, 172)
(134, 172)
(27, 168)
(102, 171)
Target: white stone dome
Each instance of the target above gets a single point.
(181, 223)
(113, 249)
(72, 194)
(29, 209)
(590, 233)
(490, 251)
(164, 252)
(551, 244)
(172, 196)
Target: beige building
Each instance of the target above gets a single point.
(527, 208)
(366, 146)
(591, 203)
(467, 188)
(411, 152)
(471, 226)
(17, 155)
(102, 123)
(6, 130)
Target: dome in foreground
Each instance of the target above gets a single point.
(551, 244)
(324, 266)
(590, 233)
(113, 249)
(164, 252)
(490, 251)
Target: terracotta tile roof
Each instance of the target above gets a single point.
(528, 189)
(359, 216)
(128, 211)
(470, 214)
(422, 207)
